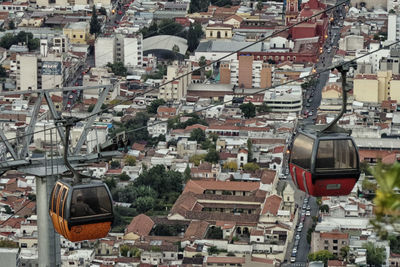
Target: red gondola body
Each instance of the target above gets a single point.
(322, 176)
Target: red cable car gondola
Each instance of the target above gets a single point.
(80, 211)
(324, 165)
(324, 160)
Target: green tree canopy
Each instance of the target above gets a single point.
(118, 68)
(196, 159)
(251, 167)
(375, 255)
(322, 255)
(95, 26)
(152, 108)
(260, 5)
(124, 177)
(248, 109)
(186, 173)
(115, 164)
(212, 156)
(130, 160)
(197, 135)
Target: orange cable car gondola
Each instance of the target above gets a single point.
(80, 211)
(324, 160)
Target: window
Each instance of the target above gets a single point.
(335, 241)
(336, 154)
(74, 36)
(335, 248)
(302, 149)
(90, 201)
(81, 36)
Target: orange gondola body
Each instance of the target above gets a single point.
(81, 212)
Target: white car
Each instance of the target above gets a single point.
(308, 213)
(297, 237)
(299, 229)
(294, 250)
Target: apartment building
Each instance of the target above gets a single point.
(35, 71)
(177, 89)
(377, 88)
(126, 48)
(331, 241)
(246, 73)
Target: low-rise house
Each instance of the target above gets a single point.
(140, 226)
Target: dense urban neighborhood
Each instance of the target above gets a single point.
(187, 111)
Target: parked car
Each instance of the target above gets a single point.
(297, 237)
(296, 243)
(294, 251)
(308, 213)
(299, 229)
(308, 208)
(292, 259)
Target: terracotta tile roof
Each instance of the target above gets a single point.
(332, 87)
(243, 151)
(279, 149)
(140, 225)
(336, 263)
(334, 235)
(197, 229)
(236, 17)
(185, 202)
(195, 126)
(226, 260)
(225, 225)
(257, 232)
(199, 186)
(262, 260)
(226, 155)
(272, 204)
(138, 146)
(166, 109)
(366, 76)
(268, 176)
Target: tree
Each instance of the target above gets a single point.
(95, 26)
(152, 108)
(322, 255)
(186, 173)
(8, 210)
(103, 11)
(111, 183)
(202, 63)
(118, 68)
(130, 160)
(260, 5)
(198, 5)
(248, 110)
(230, 165)
(197, 135)
(324, 208)
(251, 167)
(3, 72)
(213, 250)
(175, 49)
(124, 249)
(387, 200)
(196, 159)
(263, 108)
(344, 252)
(144, 204)
(375, 255)
(367, 185)
(124, 177)
(115, 164)
(250, 150)
(214, 233)
(11, 25)
(193, 38)
(212, 156)
(90, 108)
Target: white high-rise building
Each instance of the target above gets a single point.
(126, 48)
(104, 51)
(393, 28)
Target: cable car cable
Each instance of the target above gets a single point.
(249, 94)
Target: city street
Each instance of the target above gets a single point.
(325, 60)
(315, 94)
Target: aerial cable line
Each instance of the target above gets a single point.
(208, 64)
(249, 94)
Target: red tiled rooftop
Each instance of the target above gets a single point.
(272, 204)
(199, 186)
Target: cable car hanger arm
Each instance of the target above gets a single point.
(332, 126)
